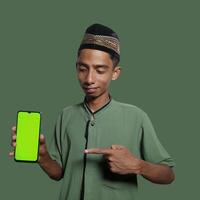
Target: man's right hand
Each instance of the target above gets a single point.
(51, 167)
(42, 145)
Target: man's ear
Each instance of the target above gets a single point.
(116, 72)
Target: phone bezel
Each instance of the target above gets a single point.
(30, 111)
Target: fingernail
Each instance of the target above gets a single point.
(86, 151)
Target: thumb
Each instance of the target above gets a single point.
(42, 139)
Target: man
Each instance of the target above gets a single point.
(101, 145)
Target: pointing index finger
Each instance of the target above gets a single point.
(104, 151)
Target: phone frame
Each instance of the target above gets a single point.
(29, 111)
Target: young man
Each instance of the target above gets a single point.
(101, 145)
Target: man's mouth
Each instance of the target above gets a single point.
(90, 89)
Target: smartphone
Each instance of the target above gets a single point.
(27, 136)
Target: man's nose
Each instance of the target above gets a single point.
(90, 78)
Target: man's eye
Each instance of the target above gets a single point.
(82, 69)
(100, 71)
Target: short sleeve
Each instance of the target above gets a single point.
(151, 148)
(55, 147)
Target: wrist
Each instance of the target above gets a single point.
(144, 167)
(141, 164)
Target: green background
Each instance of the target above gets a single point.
(160, 60)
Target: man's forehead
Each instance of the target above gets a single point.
(96, 58)
(93, 54)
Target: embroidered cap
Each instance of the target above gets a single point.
(100, 37)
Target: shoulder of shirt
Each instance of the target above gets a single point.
(130, 107)
(71, 108)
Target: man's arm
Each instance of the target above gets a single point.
(51, 167)
(156, 173)
(122, 161)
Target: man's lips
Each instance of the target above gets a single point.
(90, 89)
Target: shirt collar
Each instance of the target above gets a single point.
(104, 106)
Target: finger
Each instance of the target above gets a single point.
(109, 158)
(11, 154)
(13, 144)
(42, 150)
(112, 168)
(117, 146)
(13, 137)
(104, 151)
(111, 165)
(13, 130)
(42, 139)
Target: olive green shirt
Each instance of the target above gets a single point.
(88, 176)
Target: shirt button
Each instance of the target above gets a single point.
(92, 123)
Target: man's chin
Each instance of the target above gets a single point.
(91, 96)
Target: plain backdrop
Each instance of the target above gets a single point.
(160, 74)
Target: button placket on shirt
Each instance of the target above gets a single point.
(88, 171)
(92, 120)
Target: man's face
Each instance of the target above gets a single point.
(95, 71)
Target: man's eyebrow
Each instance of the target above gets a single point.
(96, 66)
(101, 66)
(81, 63)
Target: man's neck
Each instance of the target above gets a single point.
(96, 103)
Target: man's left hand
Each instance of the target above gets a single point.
(119, 158)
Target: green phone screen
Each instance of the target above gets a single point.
(27, 136)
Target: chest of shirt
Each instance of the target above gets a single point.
(103, 131)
